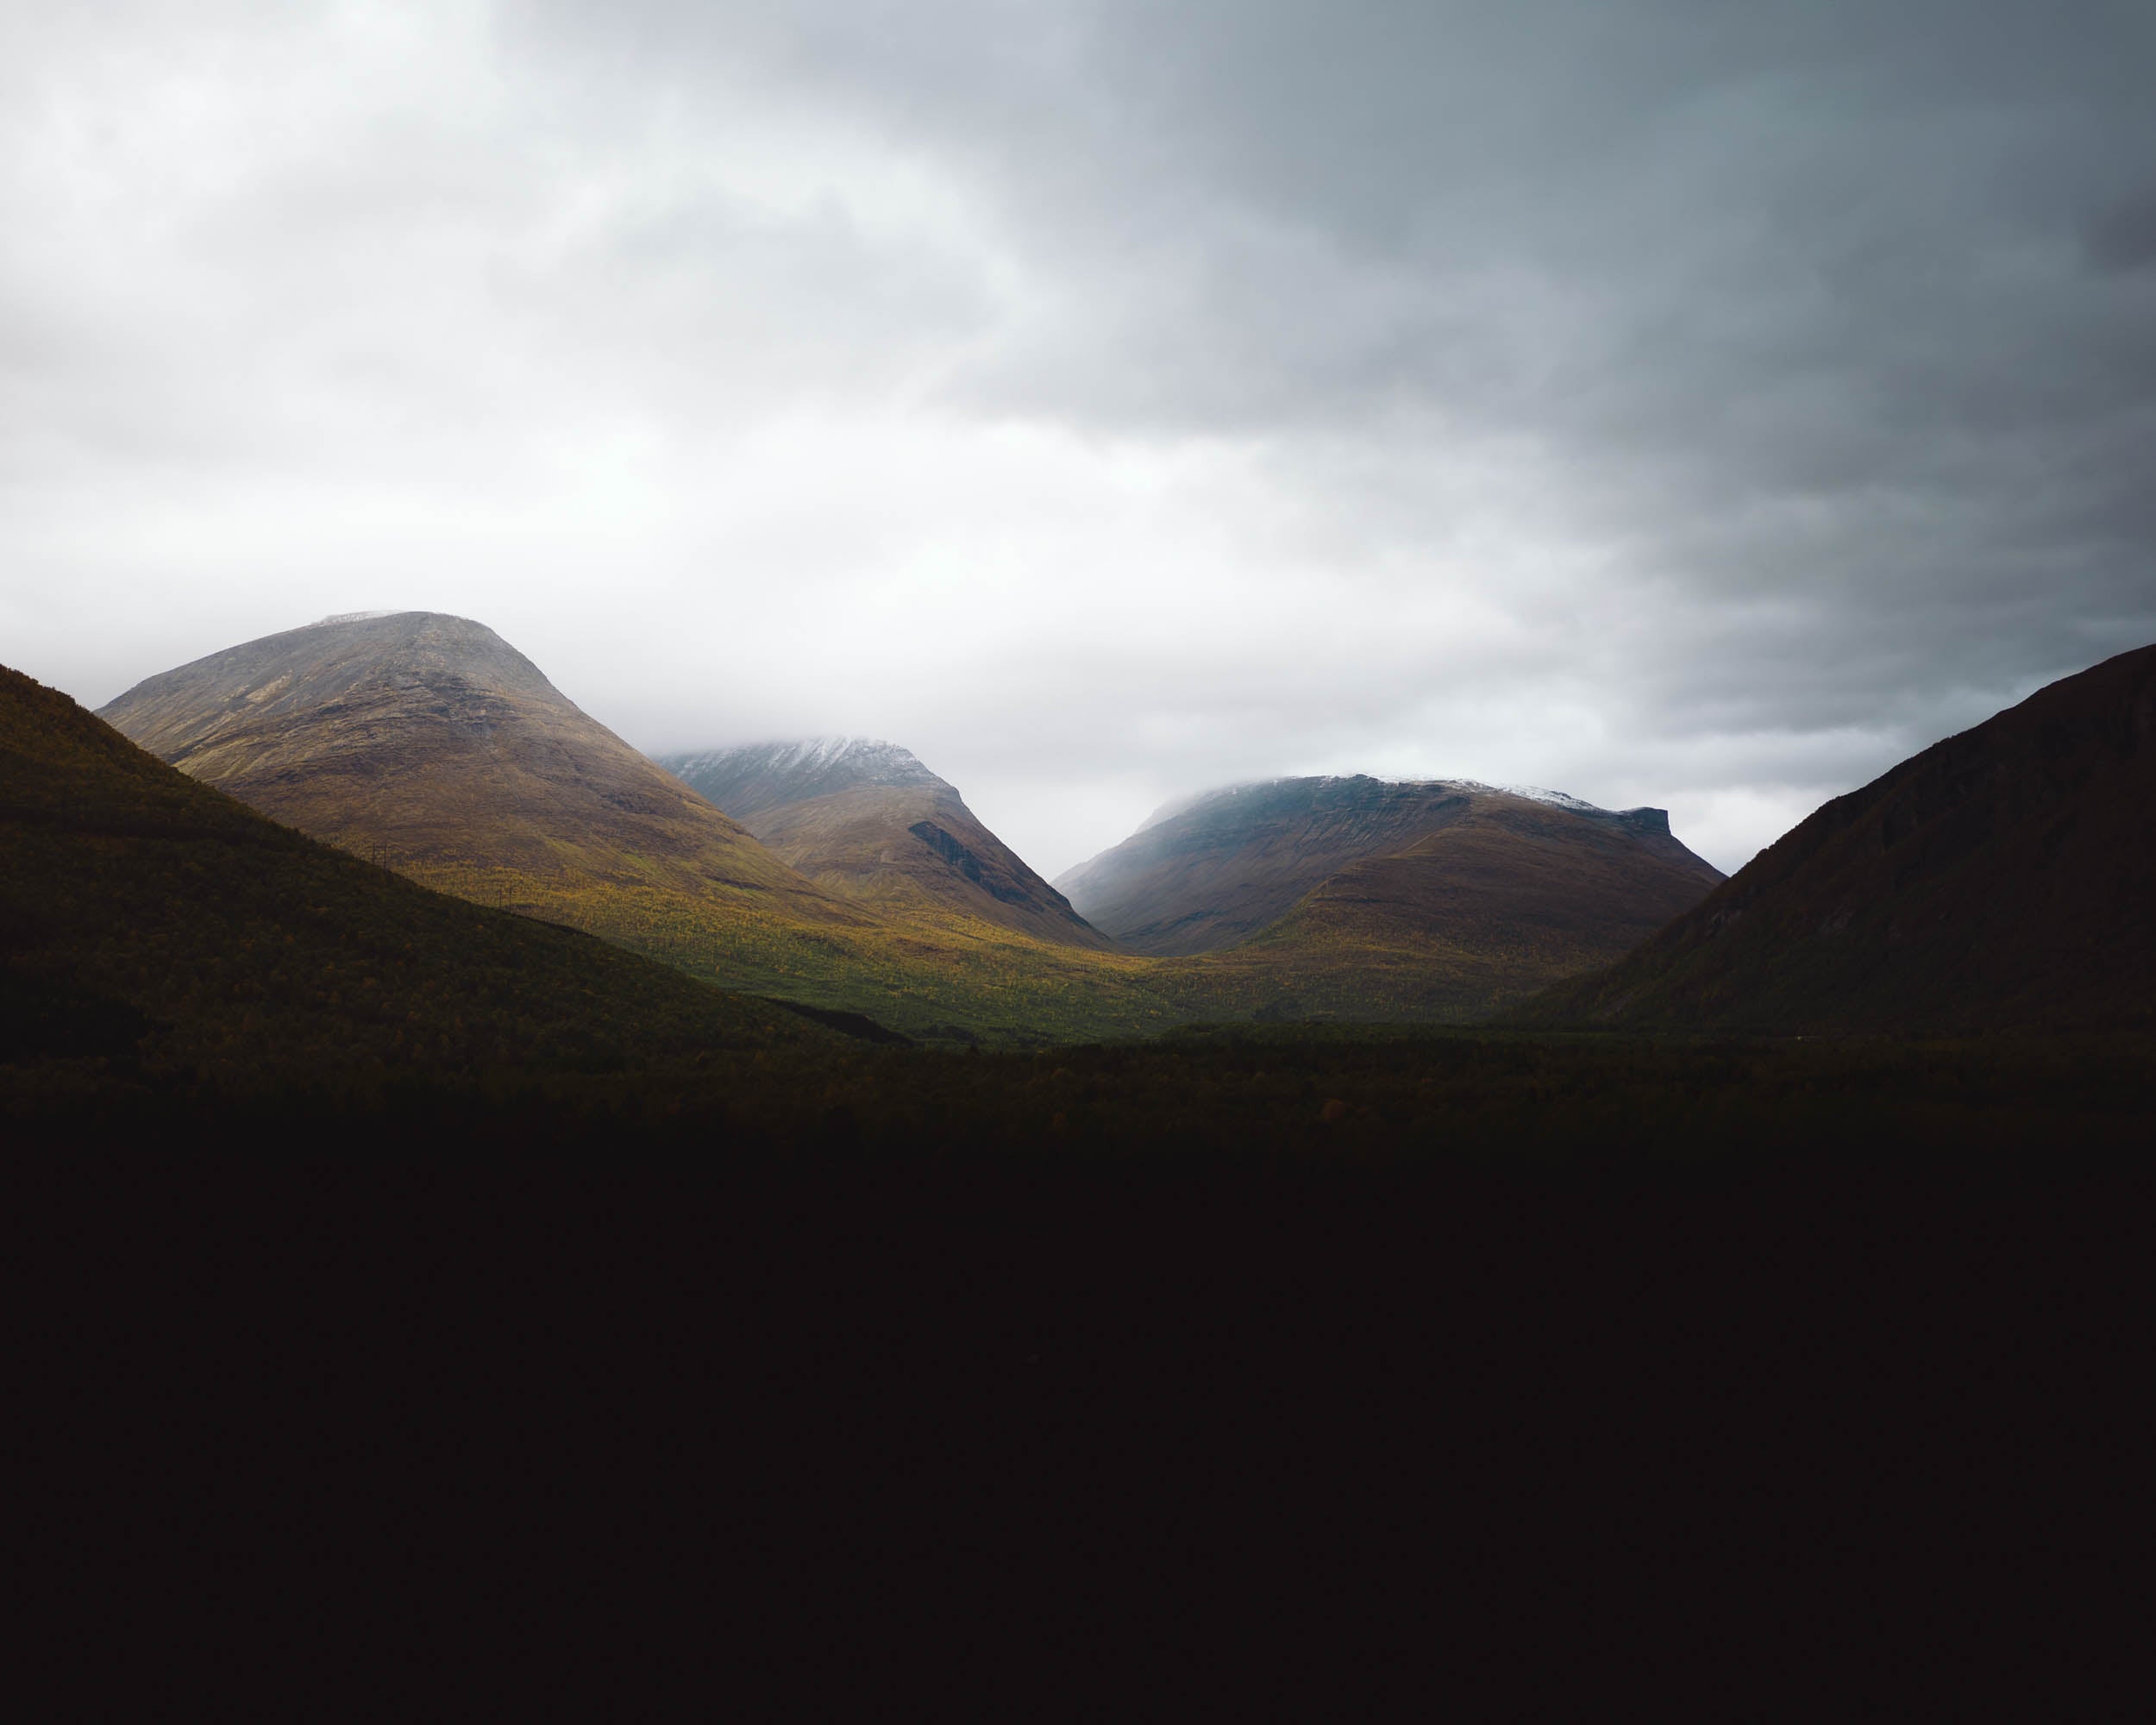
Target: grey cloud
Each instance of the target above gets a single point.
(1771, 383)
(2124, 238)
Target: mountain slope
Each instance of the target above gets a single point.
(429, 744)
(2004, 879)
(1217, 870)
(865, 819)
(151, 924)
(1509, 895)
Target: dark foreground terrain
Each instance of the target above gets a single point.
(1110, 1364)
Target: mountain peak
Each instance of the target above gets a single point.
(330, 663)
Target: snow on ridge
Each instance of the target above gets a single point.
(350, 616)
(1555, 798)
(868, 758)
(1533, 793)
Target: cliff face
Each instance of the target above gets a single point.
(1215, 871)
(2004, 879)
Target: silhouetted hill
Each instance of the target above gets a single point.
(866, 819)
(2004, 879)
(154, 928)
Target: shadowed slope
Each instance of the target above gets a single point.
(2002, 879)
(866, 819)
(147, 920)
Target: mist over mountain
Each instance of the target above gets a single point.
(1213, 870)
(2004, 879)
(865, 819)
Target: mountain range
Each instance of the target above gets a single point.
(846, 875)
(843, 874)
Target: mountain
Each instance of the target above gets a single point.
(865, 819)
(1216, 870)
(155, 931)
(2004, 879)
(429, 744)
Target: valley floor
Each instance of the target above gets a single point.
(1419, 1094)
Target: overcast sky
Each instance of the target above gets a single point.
(1666, 401)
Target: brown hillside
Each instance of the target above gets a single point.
(430, 743)
(2004, 879)
(1508, 897)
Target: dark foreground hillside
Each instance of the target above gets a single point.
(2003, 880)
(155, 933)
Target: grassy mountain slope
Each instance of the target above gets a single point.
(428, 744)
(1506, 897)
(865, 820)
(431, 743)
(2004, 879)
(150, 921)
